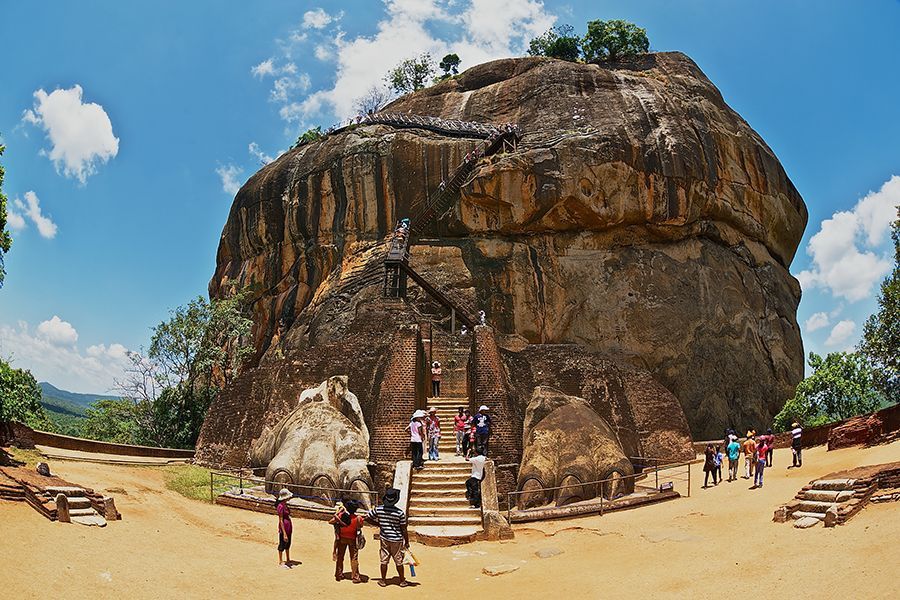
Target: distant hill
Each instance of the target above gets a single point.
(63, 398)
(66, 408)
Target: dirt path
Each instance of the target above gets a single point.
(719, 541)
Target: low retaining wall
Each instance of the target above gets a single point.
(18, 434)
(818, 436)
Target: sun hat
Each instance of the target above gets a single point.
(432, 410)
(483, 407)
(795, 424)
(391, 496)
(419, 413)
(285, 494)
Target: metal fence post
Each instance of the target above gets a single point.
(689, 479)
(656, 472)
(211, 487)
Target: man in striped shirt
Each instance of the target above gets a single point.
(797, 444)
(391, 522)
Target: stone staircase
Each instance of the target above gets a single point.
(73, 505)
(438, 508)
(829, 501)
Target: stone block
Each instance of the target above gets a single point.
(499, 570)
(806, 522)
(62, 508)
(831, 517)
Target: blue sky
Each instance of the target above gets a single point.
(120, 186)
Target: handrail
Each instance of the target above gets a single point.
(338, 492)
(438, 295)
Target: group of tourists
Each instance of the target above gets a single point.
(472, 433)
(349, 538)
(756, 450)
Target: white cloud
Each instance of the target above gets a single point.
(817, 321)
(841, 333)
(266, 67)
(31, 208)
(59, 332)
(318, 18)
(229, 175)
(257, 152)
(844, 251)
(285, 87)
(64, 365)
(15, 221)
(80, 133)
(477, 30)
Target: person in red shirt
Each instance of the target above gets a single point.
(762, 449)
(347, 526)
(285, 527)
(459, 428)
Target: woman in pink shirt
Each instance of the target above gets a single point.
(459, 428)
(285, 528)
(761, 450)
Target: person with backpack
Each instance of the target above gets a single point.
(482, 429)
(348, 532)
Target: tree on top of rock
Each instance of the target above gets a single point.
(411, 74)
(449, 65)
(557, 42)
(613, 40)
(5, 239)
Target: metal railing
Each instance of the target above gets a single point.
(327, 496)
(671, 471)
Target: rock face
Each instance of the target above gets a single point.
(641, 217)
(566, 443)
(323, 443)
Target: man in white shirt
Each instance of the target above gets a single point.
(796, 444)
(473, 484)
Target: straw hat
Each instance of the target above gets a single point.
(285, 494)
(483, 407)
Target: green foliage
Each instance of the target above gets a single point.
(411, 74)
(449, 65)
(167, 393)
(5, 239)
(842, 385)
(613, 40)
(881, 334)
(116, 421)
(20, 398)
(313, 134)
(190, 481)
(558, 42)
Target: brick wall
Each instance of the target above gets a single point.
(397, 397)
(488, 385)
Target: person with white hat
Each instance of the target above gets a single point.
(285, 528)
(482, 429)
(417, 438)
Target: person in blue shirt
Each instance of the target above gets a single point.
(482, 430)
(734, 459)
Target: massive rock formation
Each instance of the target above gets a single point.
(641, 218)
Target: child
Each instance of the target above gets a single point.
(285, 527)
(433, 422)
(719, 458)
(346, 529)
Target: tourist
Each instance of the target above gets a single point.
(416, 439)
(762, 450)
(459, 428)
(709, 465)
(433, 424)
(482, 318)
(391, 522)
(473, 483)
(770, 444)
(472, 434)
(467, 439)
(734, 458)
(719, 459)
(285, 528)
(796, 444)
(464, 331)
(749, 449)
(482, 429)
(347, 526)
(435, 379)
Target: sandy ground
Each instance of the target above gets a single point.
(719, 542)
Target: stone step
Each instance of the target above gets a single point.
(441, 511)
(834, 484)
(454, 501)
(815, 506)
(825, 495)
(458, 487)
(79, 502)
(448, 476)
(68, 491)
(457, 533)
(429, 520)
(799, 514)
(81, 512)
